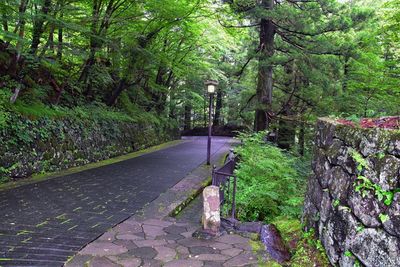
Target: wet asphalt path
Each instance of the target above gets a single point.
(43, 224)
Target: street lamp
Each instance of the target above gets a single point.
(211, 87)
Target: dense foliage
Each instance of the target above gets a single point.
(271, 182)
(131, 56)
(279, 63)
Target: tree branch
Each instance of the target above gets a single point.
(238, 26)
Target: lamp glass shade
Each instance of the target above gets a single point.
(211, 88)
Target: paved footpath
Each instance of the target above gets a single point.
(46, 223)
(152, 239)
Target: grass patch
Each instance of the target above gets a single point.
(305, 249)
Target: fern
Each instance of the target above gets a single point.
(269, 185)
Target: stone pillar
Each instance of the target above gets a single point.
(211, 210)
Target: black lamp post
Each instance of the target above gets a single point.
(211, 86)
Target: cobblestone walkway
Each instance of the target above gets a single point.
(46, 223)
(156, 242)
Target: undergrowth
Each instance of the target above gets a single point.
(270, 181)
(271, 187)
(305, 249)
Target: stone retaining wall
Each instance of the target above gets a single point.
(353, 196)
(33, 146)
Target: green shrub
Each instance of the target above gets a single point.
(4, 113)
(97, 111)
(269, 182)
(37, 110)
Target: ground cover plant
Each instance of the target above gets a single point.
(270, 188)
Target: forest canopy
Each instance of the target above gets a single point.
(275, 60)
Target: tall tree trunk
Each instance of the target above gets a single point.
(265, 69)
(60, 34)
(16, 61)
(158, 97)
(38, 25)
(172, 105)
(49, 43)
(346, 69)
(116, 93)
(286, 132)
(287, 128)
(115, 56)
(4, 22)
(99, 29)
(218, 108)
(302, 138)
(93, 43)
(21, 27)
(205, 110)
(187, 124)
(51, 39)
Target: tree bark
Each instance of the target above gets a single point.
(286, 133)
(51, 39)
(99, 30)
(158, 97)
(116, 93)
(302, 139)
(60, 38)
(346, 69)
(38, 25)
(287, 128)
(49, 43)
(92, 42)
(265, 69)
(218, 108)
(4, 22)
(21, 27)
(17, 57)
(188, 117)
(205, 110)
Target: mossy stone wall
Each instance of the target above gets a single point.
(353, 196)
(30, 146)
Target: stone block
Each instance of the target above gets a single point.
(392, 225)
(339, 182)
(211, 209)
(325, 133)
(274, 244)
(388, 173)
(394, 146)
(376, 248)
(366, 209)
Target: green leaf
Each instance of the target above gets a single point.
(383, 217)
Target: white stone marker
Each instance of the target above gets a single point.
(211, 209)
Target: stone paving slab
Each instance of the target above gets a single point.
(162, 250)
(66, 213)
